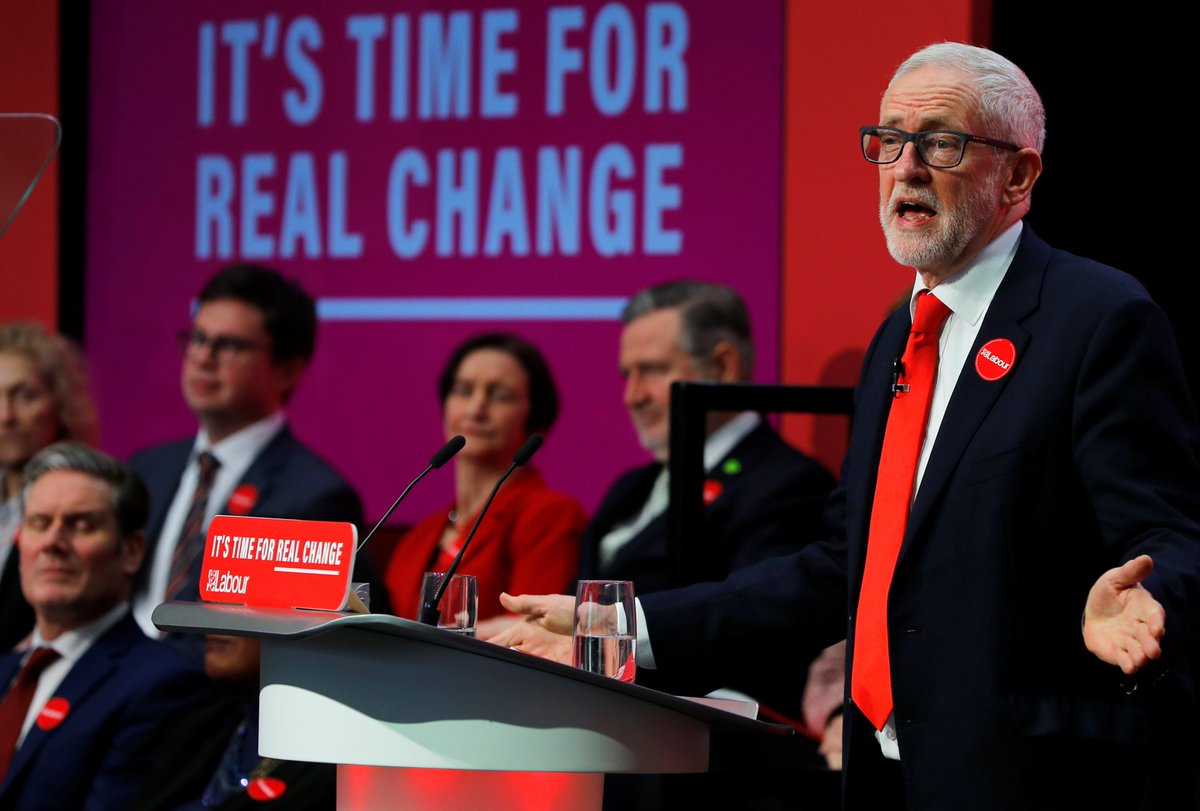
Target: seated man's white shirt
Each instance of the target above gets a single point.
(235, 453)
(716, 447)
(71, 646)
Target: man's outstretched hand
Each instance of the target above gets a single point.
(1122, 622)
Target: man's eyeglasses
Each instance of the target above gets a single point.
(938, 149)
(221, 346)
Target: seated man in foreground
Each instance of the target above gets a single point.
(84, 705)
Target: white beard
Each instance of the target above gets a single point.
(955, 228)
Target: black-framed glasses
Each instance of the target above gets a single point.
(938, 149)
(221, 346)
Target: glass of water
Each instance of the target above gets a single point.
(460, 601)
(605, 628)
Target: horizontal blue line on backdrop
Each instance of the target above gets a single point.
(581, 308)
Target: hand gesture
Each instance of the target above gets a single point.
(546, 628)
(1122, 622)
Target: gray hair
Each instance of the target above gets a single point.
(131, 504)
(1010, 107)
(711, 314)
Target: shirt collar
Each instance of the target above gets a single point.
(72, 644)
(723, 440)
(246, 443)
(969, 292)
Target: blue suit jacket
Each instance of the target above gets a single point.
(292, 482)
(123, 692)
(1083, 456)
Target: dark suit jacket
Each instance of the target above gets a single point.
(1083, 456)
(768, 504)
(16, 617)
(123, 692)
(190, 751)
(291, 480)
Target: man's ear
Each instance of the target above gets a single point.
(726, 363)
(287, 376)
(1025, 169)
(133, 550)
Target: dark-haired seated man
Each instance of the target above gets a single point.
(84, 705)
(250, 341)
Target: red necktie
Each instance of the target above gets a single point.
(185, 575)
(870, 678)
(15, 704)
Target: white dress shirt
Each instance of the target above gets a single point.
(71, 646)
(717, 446)
(235, 453)
(967, 294)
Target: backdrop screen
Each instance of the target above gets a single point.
(428, 172)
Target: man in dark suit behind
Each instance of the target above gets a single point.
(83, 707)
(250, 341)
(1053, 484)
(762, 497)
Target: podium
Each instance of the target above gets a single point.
(417, 717)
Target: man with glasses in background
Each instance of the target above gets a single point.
(251, 339)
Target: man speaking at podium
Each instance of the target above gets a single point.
(1023, 462)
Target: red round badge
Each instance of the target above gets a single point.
(712, 491)
(243, 499)
(54, 713)
(265, 789)
(995, 358)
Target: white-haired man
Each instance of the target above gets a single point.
(1023, 461)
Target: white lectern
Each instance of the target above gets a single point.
(367, 691)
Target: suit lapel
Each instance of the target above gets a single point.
(265, 471)
(162, 488)
(974, 397)
(91, 671)
(872, 404)
(651, 542)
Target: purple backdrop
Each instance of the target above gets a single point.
(428, 173)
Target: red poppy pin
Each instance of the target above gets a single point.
(265, 789)
(243, 499)
(712, 491)
(54, 713)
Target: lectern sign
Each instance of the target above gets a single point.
(278, 562)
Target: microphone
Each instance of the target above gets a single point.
(444, 455)
(429, 611)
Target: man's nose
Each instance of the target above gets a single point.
(635, 392)
(909, 166)
(57, 537)
(8, 413)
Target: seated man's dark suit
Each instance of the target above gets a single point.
(192, 751)
(16, 617)
(768, 502)
(122, 693)
(1083, 456)
(291, 482)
